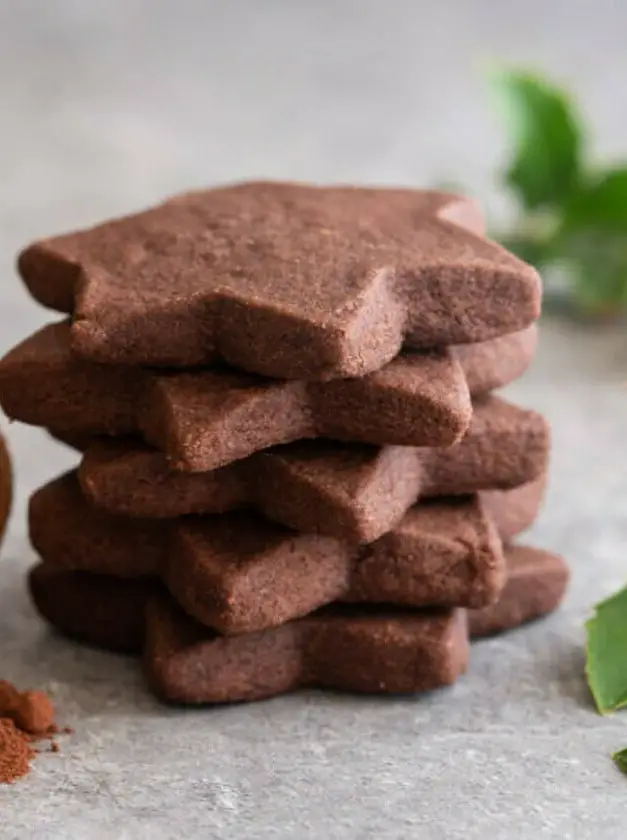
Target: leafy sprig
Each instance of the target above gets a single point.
(571, 214)
(574, 216)
(606, 659)
(606, 653)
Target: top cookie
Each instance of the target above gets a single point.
(285, 280)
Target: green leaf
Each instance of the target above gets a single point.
(606, 653)
(546, 137)
(592, 240)
(597, 262)
(602, 203)
(620, 758)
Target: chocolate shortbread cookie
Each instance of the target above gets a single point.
(350, 491)
(378, 651)
(285, 280)
(536, 583)
(109, 613)
(238, 572)
(204, 420)
(106, 612)
(383, 651)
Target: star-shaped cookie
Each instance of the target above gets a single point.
(204, 419)
(285, 280)
(108, 612)
(239, 572)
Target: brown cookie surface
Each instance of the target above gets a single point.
(369, 652)
(381, 651)
(204, 420)
(109, 613)
(98, 610)
(239, 573)
(285, 280)
(375, 652)
(353, 492)
(536, 584)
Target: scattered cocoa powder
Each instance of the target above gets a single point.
(25, 717)
(9, 698)
(15, 752)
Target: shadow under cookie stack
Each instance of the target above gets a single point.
(293, 468)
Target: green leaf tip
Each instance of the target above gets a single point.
(606, 653)
(546, 136)
(620, 759)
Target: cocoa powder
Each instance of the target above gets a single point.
(15, 752)
(34, 713)
(24, 717)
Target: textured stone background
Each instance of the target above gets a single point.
(107, 105)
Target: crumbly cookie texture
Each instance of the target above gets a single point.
(285, 280)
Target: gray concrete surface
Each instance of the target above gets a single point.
(107, 105)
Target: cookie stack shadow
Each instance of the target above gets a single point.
(293, 468)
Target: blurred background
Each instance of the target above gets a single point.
(108, 105)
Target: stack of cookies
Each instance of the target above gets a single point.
(293, 470)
